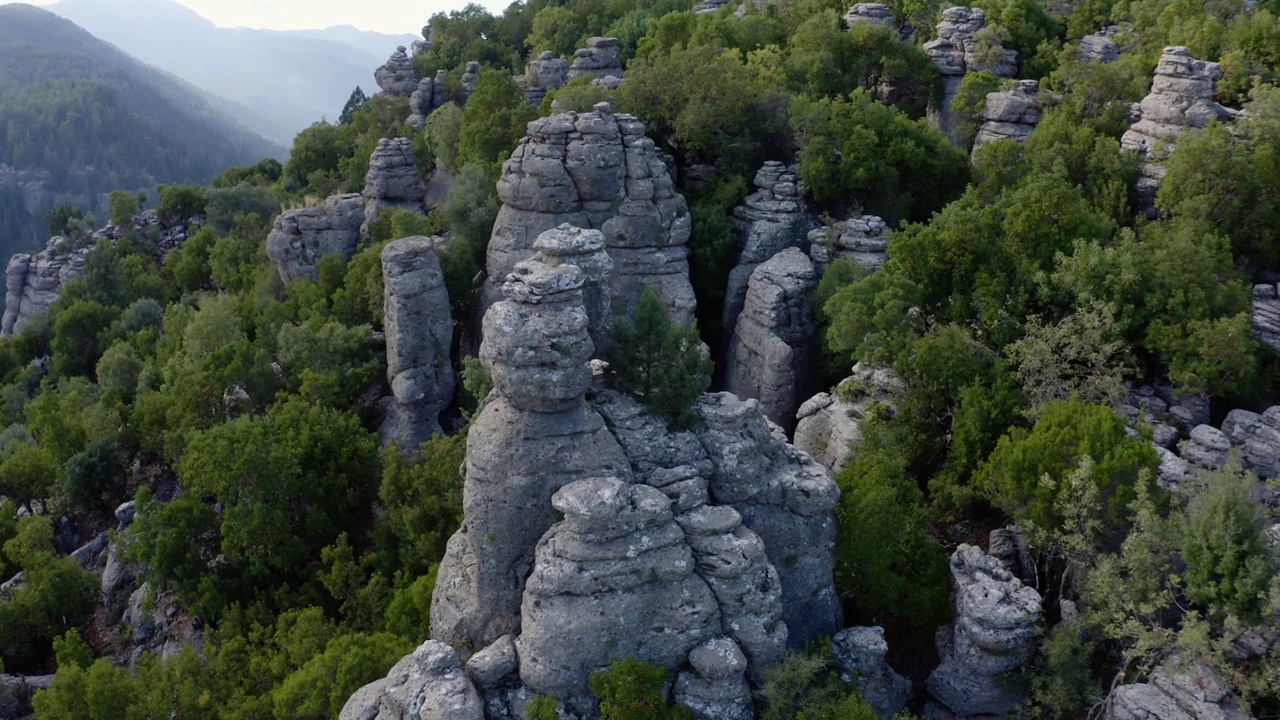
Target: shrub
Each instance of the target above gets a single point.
(660, 362)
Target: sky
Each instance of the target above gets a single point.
(389, 16)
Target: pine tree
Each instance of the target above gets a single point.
(660, 362)
(354, 103)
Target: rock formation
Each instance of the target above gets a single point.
(301, 237)
(392, 180)
(33, 283)
(584, 249)
(715, 686)
(1266, 315)
(859, 653)
(428, 96)
(876, 13)
(827, 423)
(771, 354)
(427, 685)
(396, 76)
(1190, 693)
(543, 75)
(768, 221)
(1181, 98)
(1009, 115)
(1099, 48)
(596, 171)
(955, 53)
(470, 76)
(419, 331)
(997, 620)
(864, 240)
(599, 59)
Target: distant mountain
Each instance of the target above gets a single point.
(287, 80)
(80, 118)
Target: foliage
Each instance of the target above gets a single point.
(631, 689)
(320, 688)
(443, 126)
(968, 103)
(804, 686)
(122, 206)
(1078, 357)
(56, 594)
(660, 362)
(180, 203)
(422, 501)
(352, 106)
(226, 206)
(493, 121)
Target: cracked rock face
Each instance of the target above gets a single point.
(543, 75)
(875, 13)
(393, 180)
(599, 59)
(1181, 97)
(859, 652)
(1176, 693)
(396, 76)
(1011, 115)
(426, 685)
(596, 171)
(419, 331)
(771, 354)
(1099, 48)
(954, 53)
(299, 238)
(33, 283)
(995, 632)
(828, 423)
(864, 240)
(583, 249)
(426, 97)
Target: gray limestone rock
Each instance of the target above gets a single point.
(419, 332)
(827, 426)
(597, 171)
(859, 652)
(599, 59)
(995, 632)
(1181, 97)
(864, 240)
(1173, 470)
(715, 687)
(954, 53)
(771, 354)
(495, 665)
(769, 220)
(875, 13)
(1099, 48)
(392, 181)
(1207, 447)
(33, 283)
(1184, 693)
(583, 249)
(396, 76)
(301, 237)
(16, 692)
(426, 685)
(1257, 437)
(1009, 115)
(1265, 316)
(543, 75)
(470, 76)
(428, 96)
(159, 625)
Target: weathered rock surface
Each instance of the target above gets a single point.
(1010, 115)
(470, 76)
(1099, 48)
(827, 425)
(1191, 693)
(1207, 447)
(16, 693)
(419, 332)
(955, 53)
(1257, 437)
(997, 620)
(596, 171)
(1181, 98)
(771, 355)
(543, 75)
(429, 95)
(33, 283)
(426, 685)
(159, 625)
(396, 77)
(876, 13)
(392, 181)
(864, 240)
(299, 238)
(715, 687)
(1265, 316)
(583, 249)
(769, 220)
(859, 653)
(599, 59)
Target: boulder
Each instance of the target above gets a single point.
(429, 684)
(1009, 115)
(1257, 437)
(771, 353)
(875, 13)
(299, 238)
(1099, 48)
(864, 240)
(827, 426)
(16, 692)
(1176, 693)
(157, 624)
(995, 632)
(859, 653)
(543, 75)
(419, 330)
(1207, 447)
(599, 59)
(596, 171)
(470, 76)
(33, 283)
(715, 685)
(392, 181)
(396, 77)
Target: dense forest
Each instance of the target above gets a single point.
(1026, 296)
(79, 118)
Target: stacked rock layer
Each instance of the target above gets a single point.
(301, 237)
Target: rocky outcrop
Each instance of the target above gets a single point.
(396, 77)
(393, 180)
(1184, 693)
(995, 632)
(427, 685)
(875, 13)
(428, 96)
(769, 220)
(954, 52)
(157, 624)
(596, 171)
(1181, 98)
(16, 692)
(599, 59)
(715, 687)
(470, 76)
(771, 355)
(419, 331)
(827, 424)
(1009, 115)
(859, 653)
(301, 237)
(583, 249)
(33, 283)
(1099, 48)
(543, 75)
(864, 240)
(1266, 315)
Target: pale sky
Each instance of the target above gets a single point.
(389, 16)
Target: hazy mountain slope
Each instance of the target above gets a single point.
(289, 79)
(380, 45)
(79, 118)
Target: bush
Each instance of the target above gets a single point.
(804, 687)
(96, 475)
(660, 362)
(227, 205)
(319, 689)
(633, 690)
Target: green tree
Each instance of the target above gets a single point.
(353, 105)
(422, 498)
(558, 29)
(65, 220)
(443, 126)
(631, 689)
(180, 203)
(80, 336)
(122, 206)
(660, 362)
(493, 121)
(319, 689)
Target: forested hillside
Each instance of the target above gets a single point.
(79, 118)
(990, 340)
